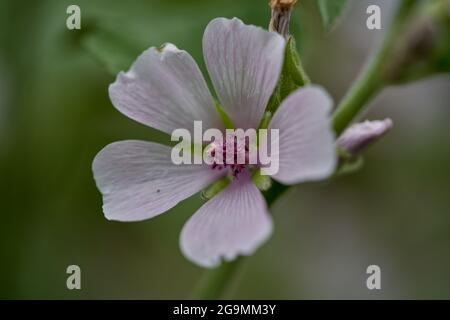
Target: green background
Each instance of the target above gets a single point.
(55, 115)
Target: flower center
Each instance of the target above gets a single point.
(231, 153)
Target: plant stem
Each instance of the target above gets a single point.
(374, 78)
(362, 92)
(215, 282)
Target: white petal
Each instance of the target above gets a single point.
(360, 135)
(244, 63)
(234, 222)
(139, 181)
(306, 149)
(165, 89)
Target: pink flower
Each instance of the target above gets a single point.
(165, 89)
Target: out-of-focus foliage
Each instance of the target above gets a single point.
(331, 10)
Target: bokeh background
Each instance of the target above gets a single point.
(55, 115)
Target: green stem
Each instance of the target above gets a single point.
(359, 95)
(215, 282)
(375, 77)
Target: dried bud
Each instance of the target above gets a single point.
(281, 14)
(360, 135)
(285, 4)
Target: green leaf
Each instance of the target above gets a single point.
(331, 11)
(292, 77)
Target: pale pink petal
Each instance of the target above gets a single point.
(244, 63)
(234, 222)
(139, 181)
(306, 148)
(165, 89)
(360, 135)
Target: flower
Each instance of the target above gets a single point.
(165, 89)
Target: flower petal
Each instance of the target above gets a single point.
(139, 181)
(306, 146)
(360, 135)
(165, 89)
(234, 222)
(244, 63)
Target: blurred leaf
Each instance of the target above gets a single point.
(423, 49)
(331, 11)
(112, 51)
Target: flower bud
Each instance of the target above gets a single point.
(281, 14)
(360, 135)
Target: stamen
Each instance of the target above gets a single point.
(225, 154)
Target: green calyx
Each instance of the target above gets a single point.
(347, 163)
(224, 116)
(292, 76)
(215, 188)
(262, 182)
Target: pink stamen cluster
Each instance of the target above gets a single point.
(224, 154)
